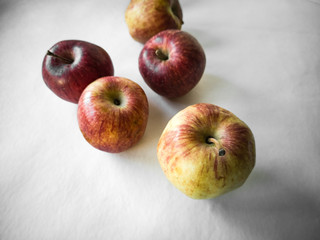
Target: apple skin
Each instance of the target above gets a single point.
(206, 151)
(147, 18)
(113, 113)
(70, 65)
(172, 63)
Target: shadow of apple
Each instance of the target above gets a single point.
(210, 89)
(269, 207)
(5, 6)
(207, 39)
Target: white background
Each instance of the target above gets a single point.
(263, 64)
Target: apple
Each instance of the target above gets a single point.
(206, 151)
(172, 63)
(147, 18)
(113, 113)
(70, 65)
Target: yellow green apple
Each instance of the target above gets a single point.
(206, 151)
(145, 18)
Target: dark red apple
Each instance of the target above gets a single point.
(172, 63)
(113, 113)
(70, 65)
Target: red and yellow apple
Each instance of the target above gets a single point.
(70, 65)
(113, 113)
(206, 151)
(146, 18)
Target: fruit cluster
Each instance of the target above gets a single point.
(204, 150)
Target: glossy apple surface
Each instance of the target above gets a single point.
(172, 63)
(70, 65)
(147, 18)
(113, 113)
(206, 151)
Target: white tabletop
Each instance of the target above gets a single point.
(263, 64)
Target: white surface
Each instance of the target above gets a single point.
(263, 64)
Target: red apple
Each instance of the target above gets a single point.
(70, 65)
(172, 63)
(113, 113)
(147, 18)
(206, 151)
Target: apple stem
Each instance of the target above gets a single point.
(161, 55)
(211, 140)
(66, 60)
